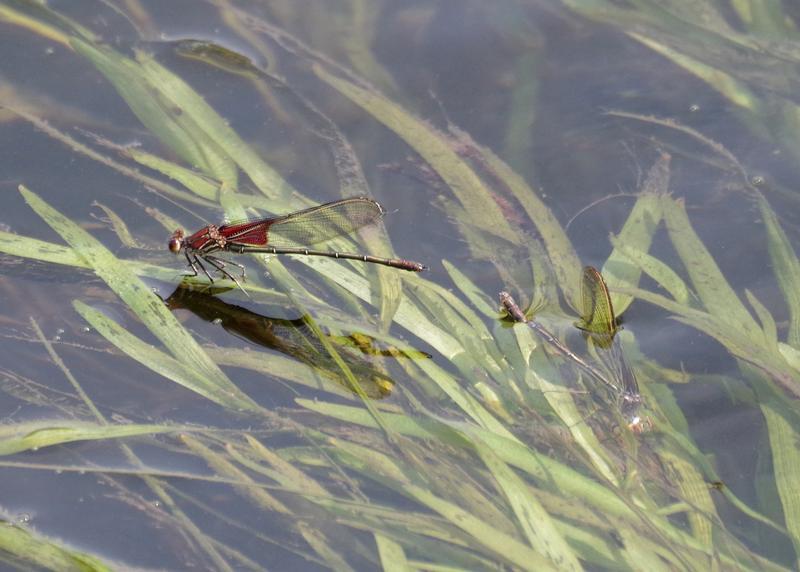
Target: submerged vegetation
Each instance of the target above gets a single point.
(423, 429)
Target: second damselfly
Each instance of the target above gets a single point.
(600, 326)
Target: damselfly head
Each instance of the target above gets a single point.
(176, 241)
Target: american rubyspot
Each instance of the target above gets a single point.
(287, 234)
(599, 323)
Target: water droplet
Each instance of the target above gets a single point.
(22, 519)
(694, 108)
(216, 321)
(757, 181)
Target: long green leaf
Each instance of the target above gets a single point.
(637, 232)
(144, 303)
(711, 286)
(220, 392)
(786, 267)
(43, 433)
(534, 521)
(435, 148)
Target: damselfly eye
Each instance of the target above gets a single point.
(176, 242)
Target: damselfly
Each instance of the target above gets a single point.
(288, 234)
(599, 323)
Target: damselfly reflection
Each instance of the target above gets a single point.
(599, 323)
(294, 338)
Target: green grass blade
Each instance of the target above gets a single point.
(436, 149)
(786, 267)
(563, 258)
(711, 286)
(637, 232)
(665, 276)
(767, 321)
(127, 78)
(727, 85)
(268, 181)
(219, 390)
(392, 555)
(199, 185)
(505, 547)
(38, 434)
(144, 303)
(536, 524)
(43, 553)
(784, 441)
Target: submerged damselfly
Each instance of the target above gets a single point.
(600, 326)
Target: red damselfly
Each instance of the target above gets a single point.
(287, 234)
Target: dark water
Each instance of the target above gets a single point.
(531, 82)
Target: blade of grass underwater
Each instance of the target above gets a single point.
(730, 87)
(665, 276)
(534, 521)
(392, 555)
(39, 19)
(638, 231)
(435, 149)
(174, 94)
(152, 182)
(563, 258)
(222, 465)
(508, 448)
(47, 554)
(117, 225)
(502, 545)
(199, 185)
(711, 286)
(375, 465)
(221, 392)
(475, 295)
(144, 303)
(541, 467)
(408, 315)
(784, 441)
(128, 79)
(470, 332)
(771, 362)
(266, 179)
(786, 267)
(768, 325)
(26, 247)
(42, 433)
(695, 492)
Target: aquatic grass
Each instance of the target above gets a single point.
(434, 148)
(144, 303)
(638, 232)
(28, 548)
(32, 436)
(471, 479)
(787, 269)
